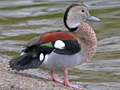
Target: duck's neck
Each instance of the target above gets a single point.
(88, 40)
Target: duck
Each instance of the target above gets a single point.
(61, 50)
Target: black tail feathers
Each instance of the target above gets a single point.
(30, 58)
(25, 62)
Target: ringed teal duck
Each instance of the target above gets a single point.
(58, 50)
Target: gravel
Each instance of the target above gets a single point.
(32, 79)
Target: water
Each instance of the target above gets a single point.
(21, 20)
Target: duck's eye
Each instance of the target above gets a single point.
(83, 10)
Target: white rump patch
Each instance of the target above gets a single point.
(59, 44)
(41, 57)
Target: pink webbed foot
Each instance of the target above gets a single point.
(53, 77)
(66, 82)
(70, 85)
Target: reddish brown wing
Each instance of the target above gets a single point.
(36, 40)
(50, 37)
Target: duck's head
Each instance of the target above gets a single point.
(75, 14)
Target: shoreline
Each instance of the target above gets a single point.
(32, 79)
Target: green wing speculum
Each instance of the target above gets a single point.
(47, 44)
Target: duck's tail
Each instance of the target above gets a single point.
(30, 58)
(24, 62)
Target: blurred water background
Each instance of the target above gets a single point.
(21, 20)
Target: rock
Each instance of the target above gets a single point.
(32, 79)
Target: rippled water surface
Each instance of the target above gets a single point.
(21, 20)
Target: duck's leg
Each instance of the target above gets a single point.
(53, 77)
(66, 82)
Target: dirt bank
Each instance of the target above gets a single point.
(33, 79)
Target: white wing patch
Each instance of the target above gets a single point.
(41, 57)
(23, 53)
(59, 44)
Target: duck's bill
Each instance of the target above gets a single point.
(93, 18)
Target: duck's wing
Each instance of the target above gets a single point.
(36, 40)
(53, 38)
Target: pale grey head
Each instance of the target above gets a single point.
(75, 14)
